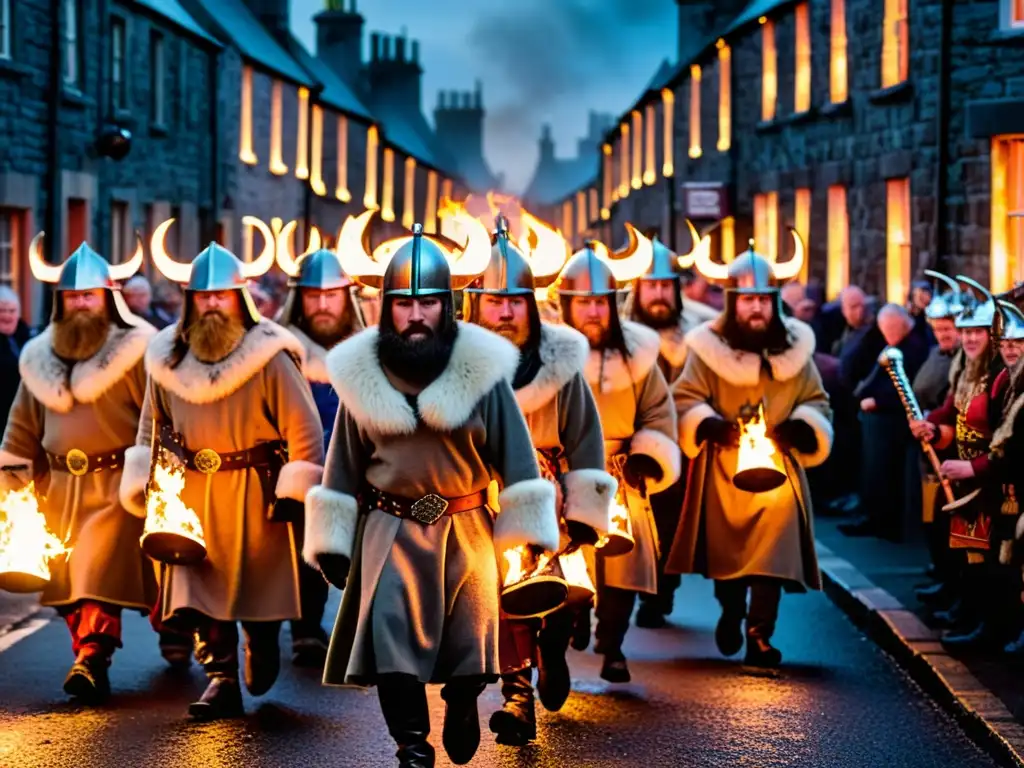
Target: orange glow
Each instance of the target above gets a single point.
(277, 165)
(387, 203)
(838, 272)
(341, 188)
(724, 97)
(668, 101)
(245, 153)
(695, 77)
(838, 78)
(606, 179)
(581, 212)
(766, 224)
(592, 202)
(409, 194)
(1007, 249)
(802, 224)
(895, 50)
(624, 158)
(802, 97)
(897, 240)
(370, 195)
(26, 545)
(302, 137)
(1017, 13)
(757, 451)
(316, 156)
(446, 188)
(638, 149)
(567, 217)
(430, 216)
(769, 75)
(650, 176)
(728, 239)
(522, 564)
(165, 511)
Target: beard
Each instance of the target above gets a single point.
(326, 329)
(510, 331)
(657, 315)
(214, 336)
(417, 361)
(79, 335)
(596, 333)
(741, 336)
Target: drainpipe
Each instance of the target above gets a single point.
(53, 144)
(942, 134)
(213, 92)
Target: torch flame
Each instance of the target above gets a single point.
(519, 560)
(618, 521)
(548, 256)
(26, 544)
(758, 465)
(165, 511)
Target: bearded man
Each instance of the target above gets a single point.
(566, 431)
(227, 400)
(658, 303)
(428, 423)
(751, 357)
(639, 425)
(320, 311)
(74, 414)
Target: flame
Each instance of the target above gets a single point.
(26, 544)
(519, 561)
(165, 511)
(756, 448)
(461, 226)
(618, 521)
(551, 251)
(634, 260)
(574, 571)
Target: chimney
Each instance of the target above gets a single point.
(339, 41)
(395, 78)
(459, 126)
(273, 14)
(547, 146)
(702, 19)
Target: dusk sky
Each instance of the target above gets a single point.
(539, 61)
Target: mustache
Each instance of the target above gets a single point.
(417, 327)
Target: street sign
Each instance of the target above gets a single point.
(705, 200)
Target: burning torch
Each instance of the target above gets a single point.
(759, 464)
(26, 545)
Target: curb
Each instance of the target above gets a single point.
(916, 648)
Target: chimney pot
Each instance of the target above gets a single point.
(440, 99)
(415, 56)
(399, 49)
(467, 100)
(453, 99)
(375, 46)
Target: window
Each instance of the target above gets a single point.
(802, 225)
(895, 48)
(624, 158)
(370, 193)
(838, 80)
(341, 188)
(581, 212)
(769, 76)
(649, 125)
(120, 231)
(157, 76)
(10, 228)
(592, 202)
(430, 216)
(77, 223)
(387, 203)
(802, 96)
(728, 242)
(446, 189)
(277, 165)
(1014, 13)
(606, 180)
(5, 29)
(838, 273)
(302, 137)
(766, 224)
(409, 194)
(1007, 255)
(118, 73)
(567, 219)
(316, 154)
(72, 52)
(245, 153)
(638, 149)
(724, 97)
(897, 240)
(668, 106)
(695, 76)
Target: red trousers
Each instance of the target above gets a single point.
(95, 628)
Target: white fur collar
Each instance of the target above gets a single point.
(314, 364)
(197, 382)
(480, 359)
(57, 385)
(673, 339)
(563, 353)
(743, 369)
(606, 370)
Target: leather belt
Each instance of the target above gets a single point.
(208, 461)
(427, 510)
(78, 463)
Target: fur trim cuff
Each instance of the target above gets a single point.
(822, 430)
(688, 424)
(330, 524)
(588, 497)
(297, 478)
(662, 449)
(527, 516)
(134, 476)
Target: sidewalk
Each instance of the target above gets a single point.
(874, 581)
(16, 608)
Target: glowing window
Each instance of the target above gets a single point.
(638, 149)
(802, 96)
(567, 218)
(1007, 247)
(769, 75)
(668, 102)
(592, 202)
(695, 77)
(370, 193)
(446, 188)
(581, 212)
(387, 203)
(649, 125)
(624, 158)
(302, 137)
(895, 47)
(838, 271)
(409, 194)
(724, 97)
(728, 242)
(341, 188)
(316, 155)
(766, 224)
(897, 240)
(430, 216)
(245, 153)
(802, 225)
(277, 166)
(838, 79)
(606, 179)
(1017, 13)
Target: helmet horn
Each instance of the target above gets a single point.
(262, 263)
(175, 271)
(351, 249)
(125, 270)
(790, 269)
(978, 289)
(285, 257)
(635, 259)
(686, 260)
(709, 269)
(41, 271)
(949, 281)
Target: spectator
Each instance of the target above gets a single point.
(890, 479)
(15, 332)
(921, 294)
(166, 305)
(695, 287)
(138, 295)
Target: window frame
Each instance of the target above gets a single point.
(890, 15)
(769, 74)
(118, 86)
(119, 235)
(9, 221)
(157, 78)
(72, 78)
(838, 51)
(898, 255)
(1007, 13)
(6, 24)
(802, 58)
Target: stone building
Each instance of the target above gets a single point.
(884, 132)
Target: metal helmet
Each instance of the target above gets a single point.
(944, 306)
(664, 264)
(750, 272)
(508, 272)
(977, 312)
(320, 269)
(418, 268)
(1009, 321)
(586, 274)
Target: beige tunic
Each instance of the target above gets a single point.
(726, 533)
(93, 406)
(423, 599)
(673, 340)
(255, 395)
(637, 417)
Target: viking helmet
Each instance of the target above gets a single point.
(319, 270)
(947, 305)
(86, 270)
(979, 308)
(1009, 321)
(750, 272)
(587, 273)
(508, 272)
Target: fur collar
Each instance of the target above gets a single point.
(673, 339)
(606, 369)
(743, 369)
(197, 382)
(314, 364)
(480, 359)
(57, 385)
(563, 353)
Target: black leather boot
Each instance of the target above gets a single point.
(732, 596)
(216, 648)
(176, 648)
(581, 628)
(515, 723)
(403, 702)
(553, 678)
(262, 655)
(937, 594)
(461, 734)
(765, 595)
(761, 653)
(650, 615)
(87, 679)
(615, 669)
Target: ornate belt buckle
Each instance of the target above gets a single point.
(429, 509)
(77, 462)
(207, 461)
